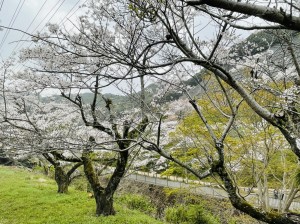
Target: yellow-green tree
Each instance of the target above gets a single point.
(256, 154)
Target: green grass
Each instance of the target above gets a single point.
(28, 198)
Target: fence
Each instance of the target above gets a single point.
(202, 188)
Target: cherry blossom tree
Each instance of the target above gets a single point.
(53, 128)
(34, 128)
(73, 63)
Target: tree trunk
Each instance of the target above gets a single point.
(104, 200)
(62, 180)
(290, 198)
(266, 190)
(104, 204)
(240, 203)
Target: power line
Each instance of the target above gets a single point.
(66, 16)
(55, 12)
(18, 12)
(28, 28)
(62, 21)
(44, 18)
(12, 21)
(6, 32)
(1, 4)
(48, 14)
(52, 17)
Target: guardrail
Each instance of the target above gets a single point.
(202, 188)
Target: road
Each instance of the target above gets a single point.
(202, 188)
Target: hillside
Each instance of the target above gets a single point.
(28, 198)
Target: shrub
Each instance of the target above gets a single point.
(80, 184)
(137, 202)
(190, 214)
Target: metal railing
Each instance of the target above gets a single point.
(202, 188)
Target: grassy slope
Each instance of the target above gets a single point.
(27, 198)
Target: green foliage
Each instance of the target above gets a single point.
(283, 164)
(143, 10)
(241, 219)
(174, 170)
(190, 214)
(28, 198)
(253, 148)
(182, 196)
(137, 202)
(191, 142)
(189, 208)
(79, 184)
(297, 177)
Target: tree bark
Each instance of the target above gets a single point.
(103, 196)
(62, 180)
(104, 203)
(60, 176)
(290, 198)
(240, 203)
(266, 13)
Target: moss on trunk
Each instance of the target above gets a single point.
(62, 180)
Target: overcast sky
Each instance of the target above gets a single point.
(31, 16)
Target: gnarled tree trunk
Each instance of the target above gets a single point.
(104, 203)
(104, 196)
(62, 179)
(238, 202)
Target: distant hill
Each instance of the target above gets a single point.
(253, 44)
(125, 102)
(260, 41)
